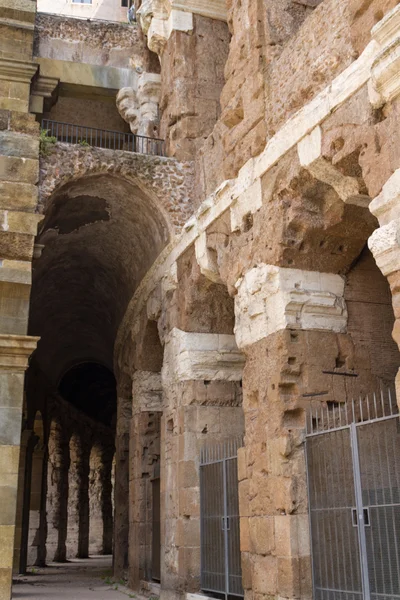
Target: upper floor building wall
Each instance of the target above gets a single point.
(109, 10)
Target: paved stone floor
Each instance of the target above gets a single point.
(89, 579)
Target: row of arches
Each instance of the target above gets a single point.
(67, 508)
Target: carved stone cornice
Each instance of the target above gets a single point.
(15, 351)
(44, 86)
(385, 69)
(17, 70)
(272, 298)
(384, 243)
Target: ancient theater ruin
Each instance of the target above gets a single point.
(200, 299)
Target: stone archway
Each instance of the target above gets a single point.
(101, 233)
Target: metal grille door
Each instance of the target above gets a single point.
(353, 465)
(219, 508)
(156, 532)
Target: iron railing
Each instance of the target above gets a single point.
(103, 138)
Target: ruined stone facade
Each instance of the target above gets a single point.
(211, 289)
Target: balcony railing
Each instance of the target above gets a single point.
(103, 138)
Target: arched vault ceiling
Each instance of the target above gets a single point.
(100, 236)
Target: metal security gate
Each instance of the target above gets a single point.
(221, 571)
(353, 466)
(156, 530)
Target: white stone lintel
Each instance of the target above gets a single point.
(160, 30)
(249, 202)
(385, 72)
(384, 244)
(201, 356)
(386, 206)
(272, 298)
(385, 78)
(388, 28)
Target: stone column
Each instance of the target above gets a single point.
(14, 353)
(96, 501)
(25, 442)
(19, 172)
(35, 502)
(57, 495)
(83, 501)
(289, 324)
(144, 455)
(78, 503)
(106, 500)
(202, 406)
(41, 550)
(121, 492)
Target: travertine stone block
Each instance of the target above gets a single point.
(14, 144)
(264, 576)
(18, 169)
(7, 543)
(262, 539)
(292, 535)
(385, 79)
(207, 259)
(18, 196)
(384, 244)
(146, 391)
(207, 356)
(310, 155)
(386, 206)
(272, 298)
(5, 582)
(249, 202)
(8, 499)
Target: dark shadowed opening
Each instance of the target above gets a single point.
(91, 387)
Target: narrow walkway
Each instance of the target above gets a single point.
(89, 579)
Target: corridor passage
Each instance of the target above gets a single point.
(86, 579)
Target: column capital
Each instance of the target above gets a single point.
(201, 356)
(272, 298)
(15, 351)
(384, 243)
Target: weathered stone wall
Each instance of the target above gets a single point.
(263, 88)
(192, 68)
(91, 42)
(19, 171)
(87, 112)
(286, 239)
(167, 180)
